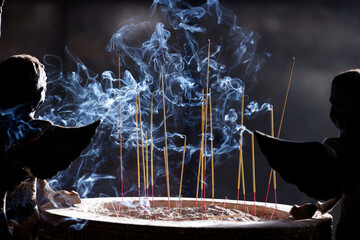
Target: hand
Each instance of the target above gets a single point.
(304, 211)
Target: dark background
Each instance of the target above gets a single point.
(324, 37)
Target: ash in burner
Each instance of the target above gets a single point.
(159, 211)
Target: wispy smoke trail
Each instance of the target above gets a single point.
(178, 42)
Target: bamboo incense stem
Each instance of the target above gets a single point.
(271, 171)
(281, 121)
(167, 180)
(142, 144)
(151, 148)
(137, 146)
(205, 126)
(253, 170)
(286, 96)
(201, 149)
(239, 175)
(241, 170)
(182, 167)
(147, 164)
(212, 150)
(120, 130)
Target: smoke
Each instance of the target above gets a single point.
(177, 42)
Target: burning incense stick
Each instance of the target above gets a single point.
(142, 144)
(151, 149)
(253, 171)
(182, 167)
(120, 130)
(212, 150)
(137, 146)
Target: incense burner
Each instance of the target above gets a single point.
(80, 223)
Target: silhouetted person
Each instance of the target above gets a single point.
(29, 148)
(329, 170)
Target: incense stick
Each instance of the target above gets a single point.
(182, 167)
(137, 146)
(201, 149)
(120, 130)
(164, 110)
(206, 114)
(142, 144)
(146, 165)
(253, 172)
(165, 138)
(167, 180)
(286, 96)
(212, 150)
(241, 170)
(280, 126)
(222, 212)
(151, 149)
(281, 122)
(271, 171)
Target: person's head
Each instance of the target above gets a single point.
(22, 83)
(345, 101)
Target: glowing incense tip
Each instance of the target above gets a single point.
(182, 167)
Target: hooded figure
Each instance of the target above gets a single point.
(29, 148)
(329, 170)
